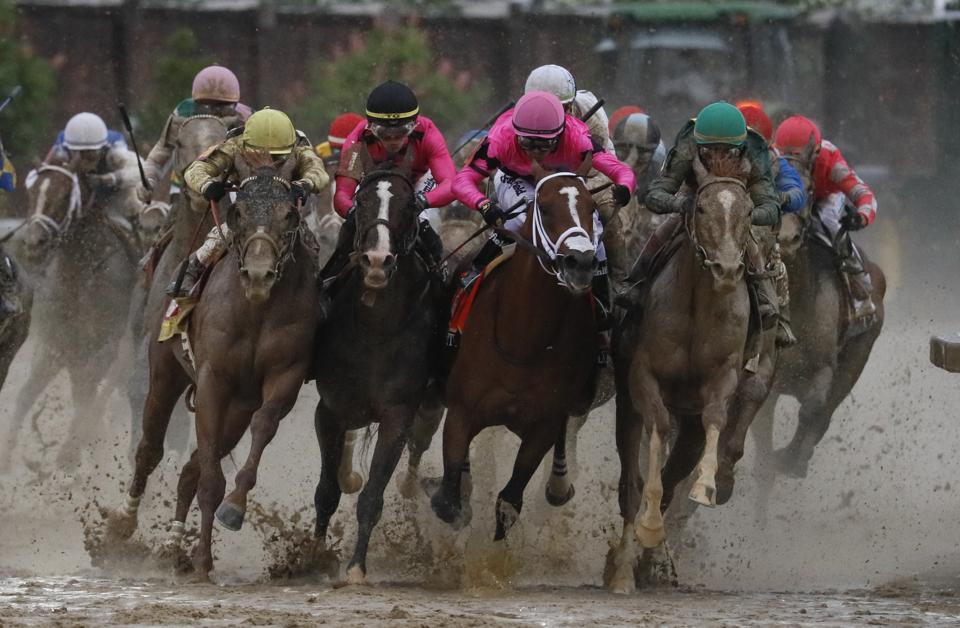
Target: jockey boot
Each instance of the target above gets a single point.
(430, 248)
(191, 274)
(491, 250)
(858, 279)
(785, 336)
(767, 303)
(600, 288)
(642, 268)
(618, 264)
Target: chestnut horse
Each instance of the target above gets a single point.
(678, 361)
(527, 355)
(252, 334)
(374, 353)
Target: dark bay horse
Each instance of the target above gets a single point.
(16, 303)
(252, 333)
(678, 360)
(528, 353)
(191, 221)
(83, 273)
(821, 370)
(373, 354)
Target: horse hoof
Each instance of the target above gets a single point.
(230, 516)
(650, 537)
(703, 494)
(352, 483)
(431, 486)
(725, 486)
(561, 500)
(407, 484)
(444, 509)
(120, 525)
(356, 575)
(623, 581)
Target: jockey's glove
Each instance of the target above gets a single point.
(621, 194)
(299, 190)
(854, 221)
(214, 190)
(492, 213)
(682, 203)
(107, 181)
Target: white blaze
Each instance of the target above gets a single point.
(577, 242)
(41, 197)
(383, 234)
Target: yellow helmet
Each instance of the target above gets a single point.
(272, 130)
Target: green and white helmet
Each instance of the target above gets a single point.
(554, 79)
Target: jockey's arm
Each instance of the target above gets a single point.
(466, 185)
(159, 161)
(215, 164)
(441, 167)
(845, 180)
(661, 193)
(310, 167)
(615, 170)
(760, 186)
(792, 196)
(122, 163)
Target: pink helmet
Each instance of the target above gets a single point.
(539, 114)
(216, 83)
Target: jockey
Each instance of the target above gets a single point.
(340, 128)
(720, 129)
(394, 134)
(536, 129)
(266, 131)
(835, 184)
(636, 139)
(215, 92)
(792, 196)
(619, 114)
(101, 157)
(8, 175)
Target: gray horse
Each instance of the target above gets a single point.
(84, 273)
(16, 302)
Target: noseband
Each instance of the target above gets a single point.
(690, 223)
(549, 248)
(56, 230)
(282, 249)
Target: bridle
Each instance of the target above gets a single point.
(404, 244)
(690, 226)
(282, 249)
(57, 230)
(547, 249)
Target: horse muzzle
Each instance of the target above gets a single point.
(257, 283)
(577, 269)
(726, 275)
(377, 267)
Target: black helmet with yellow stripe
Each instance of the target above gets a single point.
(392, 104)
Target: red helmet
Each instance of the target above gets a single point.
(757, 120)
(794, 133)
(620, 114)
(341, 127)
(539, 114)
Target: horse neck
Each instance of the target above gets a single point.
(689, 288)
(187, 226)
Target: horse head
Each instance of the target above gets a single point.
(562, 225)
(386, 224)
(197, 134)
(153, 218)
(264, 223)
(719, 224)
(55, 198)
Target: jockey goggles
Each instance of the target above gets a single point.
(392, 131)
(538, 143)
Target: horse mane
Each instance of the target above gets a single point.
(726, 165)
(257, 158)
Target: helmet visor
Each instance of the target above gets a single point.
(538, 143)
(392, 131)
(626, 150)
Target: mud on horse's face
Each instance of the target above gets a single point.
(386, 225)
(54, 198)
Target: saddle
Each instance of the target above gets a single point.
(177, 315)
(464, 297)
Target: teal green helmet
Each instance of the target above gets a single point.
(720, 123)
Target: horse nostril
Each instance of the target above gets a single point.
(389, 261)
(365, 260)
(270, 275)
(569, 262)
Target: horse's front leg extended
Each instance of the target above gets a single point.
(717, 395)
(458, 432)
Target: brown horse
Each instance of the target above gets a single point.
(374, 353)
(83, 273)
(252, 334)
(16, 303)
(678, 358)
(527, 355)
(190, 221)
(826, 363)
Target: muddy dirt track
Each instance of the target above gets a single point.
(871, 536)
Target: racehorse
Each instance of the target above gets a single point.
(191, 221)
(83, 270)
(252, 333)
(16, 303)
(373, 355)
(678, 358)
(823, 367)
(527, 355)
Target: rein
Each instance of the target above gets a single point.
(689, 223)
(282, 250)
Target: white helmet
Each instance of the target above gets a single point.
(554, 79)
(85, 131)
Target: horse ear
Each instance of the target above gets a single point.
(699, 169)
(585, 166)
(537, 170)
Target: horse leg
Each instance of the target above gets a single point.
(762, 430)
(683, 457)
(629, 435)
(86, 427)
(391, 439)
(816, 410)
(43, 369)
(457, 435)
(213, 401)
(425, 425)
(559, 489)
(279, 395)
(167, 383)
(648, 403)
(717, 395)
(326, 498)
(350, 481)
(534, 445)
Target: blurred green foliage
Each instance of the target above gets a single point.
(25, 124)
(173, 73)
(341, 83)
